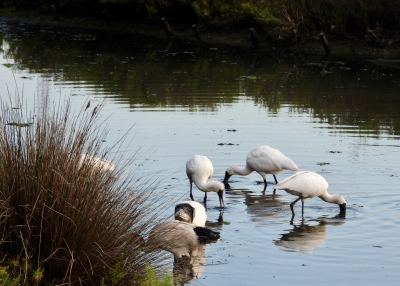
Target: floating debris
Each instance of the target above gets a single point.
(230, 144)
(323, 163)
(232, 130)
(383, 62)
(333, 152)
(250, 77)
(20, 124)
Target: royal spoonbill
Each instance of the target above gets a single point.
(306, 185)
(100, 165)
(191, 212)
(263, 160)
(199, 170)
(180, 238)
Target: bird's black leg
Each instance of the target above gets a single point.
(220, 218)
(191, 196)
(265, 187)
(276, 182)
(205, 199)
(292, 204)
(302, 208)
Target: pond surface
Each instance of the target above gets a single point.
(339, 118)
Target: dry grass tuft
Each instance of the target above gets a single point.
(69, 222)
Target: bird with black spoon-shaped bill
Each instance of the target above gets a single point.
(306, 185)
(263, 160)
(199, 170)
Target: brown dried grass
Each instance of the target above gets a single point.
(74, 223)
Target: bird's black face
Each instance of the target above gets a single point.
(184, 212)
(342, 207)
(221, 198)
(227, 176)
(227, 186)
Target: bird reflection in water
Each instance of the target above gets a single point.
(187, 269)
(304, 238)
(261, 207)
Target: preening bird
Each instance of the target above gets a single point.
(180, 238)
(306, 185)
(100, 165)
(263, 160)
(199, 170)
(191, 212)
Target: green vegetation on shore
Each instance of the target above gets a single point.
(283, 19)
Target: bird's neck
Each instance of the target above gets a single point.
(242, 171)
(210, 186)
(333, 199)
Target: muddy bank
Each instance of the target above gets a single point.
(344, 46)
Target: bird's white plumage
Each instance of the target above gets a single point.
(175, 236)
(199, 170)
(264, 160)
(307, 184)
(199, 217)
(100, 165)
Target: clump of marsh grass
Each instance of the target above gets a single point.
(63, 222)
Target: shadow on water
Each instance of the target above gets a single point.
(305, 238)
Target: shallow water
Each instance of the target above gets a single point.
(338, 118)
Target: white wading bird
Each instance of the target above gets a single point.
(263, 160)
(180, 238)
(306, 185)
(191, 212)
(100, 165)
(199, 170)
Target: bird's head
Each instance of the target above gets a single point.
(341, 202)
(219, 189)
(228, 174)
(184, 212)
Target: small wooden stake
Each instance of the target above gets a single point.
(324, 41)
(55, 13)
(167, 27)
(196, 33)
(254, 38)
(107, 18)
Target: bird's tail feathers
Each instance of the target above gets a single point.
(206, 235)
